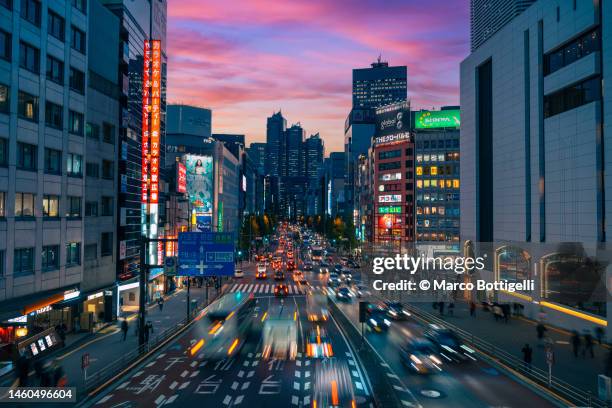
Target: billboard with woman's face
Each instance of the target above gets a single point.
(200, 185)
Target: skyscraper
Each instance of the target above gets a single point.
(292, 162)
(488, 16)
(257, 153)
(275, 129)
(313, 152)
(379, 85)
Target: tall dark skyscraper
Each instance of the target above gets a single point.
(379, 85)
(257, 153)
(488, 16)
(293, 165)
(313, 156)
(275, 130)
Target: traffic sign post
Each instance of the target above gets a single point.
(206, 254)
(85, 364)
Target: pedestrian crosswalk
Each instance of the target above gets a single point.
(267, 288)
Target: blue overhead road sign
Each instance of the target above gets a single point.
(206, 254)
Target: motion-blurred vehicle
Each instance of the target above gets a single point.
(450, 346)
(307, 266)
(421, 356)
(280, 333)
(333, 386)
(344, 294)
(316, 253)
(323, 271)
(290, 254)
(261, 275)
(281, 290)
(324, 264)
(353, 264)
(238, 273)
(290, 266)
(337, 268)
(362, 291)
(261, 267)
(279, 275)
(347, 277)
(318, 344)
(396, 311)
(316, 307)
(378, 322)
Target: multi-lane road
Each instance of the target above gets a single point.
(177, 376)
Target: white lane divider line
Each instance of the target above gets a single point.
(234, 287)
(106, 398)
(173, 385)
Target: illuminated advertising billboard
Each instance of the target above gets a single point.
(392, 123)
(437, 119)
(392, 209)
(181, 178)
(151, 120)
(390, 198)
(200, 187)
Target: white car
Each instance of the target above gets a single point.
(261, 268)
(238, 273)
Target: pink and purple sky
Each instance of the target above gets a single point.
(246, 59)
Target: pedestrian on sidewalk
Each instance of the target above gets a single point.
(540, 330)
(472, 308)
(599, 333)
(124, 328)
(160, 303)
(527, 355)
(575, 342)
(588, 345)
(148, 330)
(497, 312)
(506, 312)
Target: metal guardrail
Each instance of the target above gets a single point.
(559, 387)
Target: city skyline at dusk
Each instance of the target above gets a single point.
(253, 58)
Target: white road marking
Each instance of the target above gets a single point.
(235, 385)
(160, 399)
(245, 386)
(240, 374)
(123, 385)
(173, 385)
(290, 291)
(296, 386)
(184, 373)
(238, 399)
(355, 373)
(250, 374)
(234, 288)
(294, 400)
(138, 373)
(227, 400)
(307, 386)
(196, 372)
(194, 363)
(106, 398)
(392, 376)
(184, 385)
(171, 399)
(250, 288)
(359, 386)
(298, 374)
(398, 388)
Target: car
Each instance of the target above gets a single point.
(420, 356)
(261, 275)
(353, 264)
(324, 264)
(347, 276)
(450, 346)
(281, 290)
(378, 322)
(344, 294)
(238, 273)
(337, 268)
(279, 275)
(261, 267)
(289, 254)
(307, 266)
(396, 311)
(318, 344)
(290, 266)
(334, 280)
(323, 271)
(362, 291)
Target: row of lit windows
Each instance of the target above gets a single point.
(440, 210)
(433, 183)
(438, 223)
(439, 157)
(437, 197)
(436, 170)
(440, 236)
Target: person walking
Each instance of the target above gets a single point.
(527, 355)
(588, 345)
(124, 328)
(148, 330)
(540, 330)
(160, 303)
(472, 309)
(575, 343)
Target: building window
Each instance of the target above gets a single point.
(5, 45)
(92, 170)
(74, 165)
(55, 70)
(389, 166)
(50, 258)
(24, 205)
(73, 209)
(77, 80)
(390, 154)
(92, 131)
(30, 11)
(23, 262)
(80, 5)
(4, 98)
(28, 106)
(56, 26)
(26, 156)
(572, 51)
(76, 124)
(53, 161)
(50, 206)
(2, 204)
(78, 40)
(91, 252)
(108, 169)
(73, 254)
(572, 97)
(3, 152)
(29, 57)
(107, 206)
(91, 209)
(54, 115)
(106, 244)
(108, 133)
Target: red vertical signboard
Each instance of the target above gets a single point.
(155, 118)
(146, 116)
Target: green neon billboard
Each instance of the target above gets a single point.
(438, 119)
(391, 209)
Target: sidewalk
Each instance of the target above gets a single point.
(107, 345)
(581, 372)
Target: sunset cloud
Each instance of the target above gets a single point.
(246, 59)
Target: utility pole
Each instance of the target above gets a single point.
(143, 290)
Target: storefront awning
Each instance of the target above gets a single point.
(24, 305)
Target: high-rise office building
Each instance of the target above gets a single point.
(257, 153)
(379, 85)
(488, 16)
(275, 129)
(313, 152)
(334, 179)
(534, 104)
